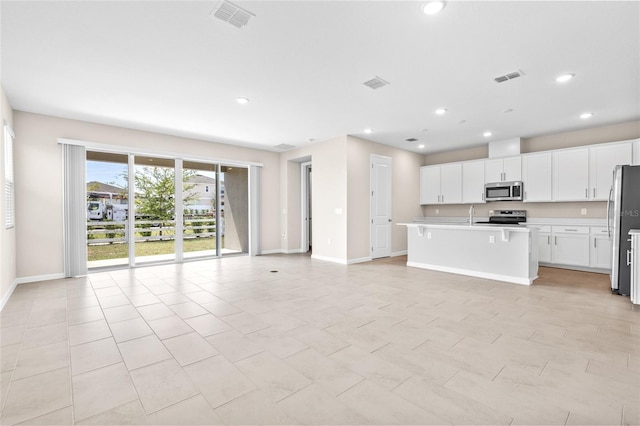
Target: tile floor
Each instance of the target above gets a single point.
(231, 342)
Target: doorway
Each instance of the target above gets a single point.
(306, 208)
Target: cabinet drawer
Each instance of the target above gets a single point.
(599, 230)
(570, 229)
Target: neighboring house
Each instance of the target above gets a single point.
(202, 194)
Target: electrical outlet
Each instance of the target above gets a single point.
(329, 241)
(583, 211)
(492, 239)
(437, 211)
(284, 236)
(428, 235)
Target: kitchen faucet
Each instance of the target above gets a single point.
(471, 212)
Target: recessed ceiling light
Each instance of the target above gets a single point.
(462, 121)
(564, 78)
(441, 111)
(433, 7)
(586, 115)
(424, 130)
(487, 134)
(508, 110)
(368, 131)
(421, 146)
(242, 101)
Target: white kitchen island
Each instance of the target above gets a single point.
(503, 253)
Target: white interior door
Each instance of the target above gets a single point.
(380, 206)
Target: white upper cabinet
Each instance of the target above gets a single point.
(537, 177)
(602, 160)
(451, 183)
(441, 184)
(513, 168)
(636, 153)
(571, 175)
(430, 185)
(502, 169)
(473, 182)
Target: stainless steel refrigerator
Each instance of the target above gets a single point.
(623, 213)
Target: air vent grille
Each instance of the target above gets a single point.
(229, 12)
(284, 147)
(411, 140)
(509, 76)
(376, 83)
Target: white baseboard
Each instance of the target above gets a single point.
(282, 251)
(329, 259)
(6, 297)
(359, 260)
(272, 251)
(35, 278)
(399, 253)
(487, 275)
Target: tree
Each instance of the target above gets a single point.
(155, 197)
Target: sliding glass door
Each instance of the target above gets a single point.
(200, 208)
(234, 220)
(154, 183)
(181, 209)
(107, 209)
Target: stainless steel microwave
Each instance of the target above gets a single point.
(503, 191)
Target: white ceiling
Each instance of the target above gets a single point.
(171, 67)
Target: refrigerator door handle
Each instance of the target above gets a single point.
(608, 213)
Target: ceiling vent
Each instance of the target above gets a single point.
(229, 12)
(510, 76)
(284, 147)
(376, 83)
(411, 140)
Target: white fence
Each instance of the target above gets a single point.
(109, 232)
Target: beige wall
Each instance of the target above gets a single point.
(7, 236)
(329, 189)
(405, 168)
(39, 181)
(595, 209)
(341, 181)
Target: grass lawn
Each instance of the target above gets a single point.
(149, 248)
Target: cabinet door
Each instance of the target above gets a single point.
(600, 252)
(536, 173)
(473, 182)
(636, 153)
(571, 175)
(544, 247)
(451, 183)
(570, 249)
(430, 185)
(602, 160)
(493, 170)
(512, 167)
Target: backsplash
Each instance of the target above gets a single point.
(594, 209)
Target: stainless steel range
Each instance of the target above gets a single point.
(507, 217)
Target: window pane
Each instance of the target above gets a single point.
(155, 209)
(199, 204)
(107, 210)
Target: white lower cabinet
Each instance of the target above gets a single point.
(599, 248)
(544, 247)
(582, 246)
(570, 245)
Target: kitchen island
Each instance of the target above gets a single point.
(497, 252)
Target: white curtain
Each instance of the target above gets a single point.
(75, 210)
(255, 201)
